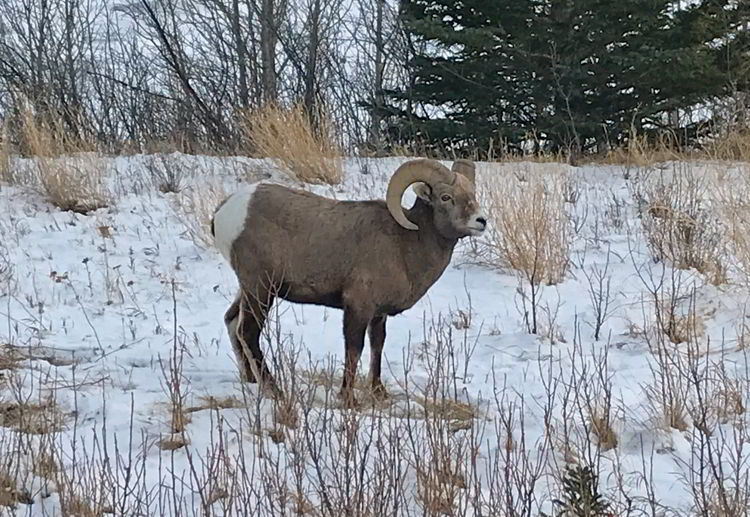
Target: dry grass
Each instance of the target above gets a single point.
(11, 494)
(32, 418)
(209, 403)
(680, 222)
(447, 409)
(66, 171)
(668, 392)
(640, 152)
(734, 194)
(5, 152)
(12, 171)
(306, 153)
(734, 145)
(164, 173)
(529, 229)
(10, 359)
(679, 328)
(80, 506)
(196, 206)
(173, 442)
(601, 426)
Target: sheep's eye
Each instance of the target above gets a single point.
(445, 197)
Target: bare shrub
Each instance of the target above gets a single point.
(308, 153)
(195, 206)
(680, 223)
(599, 283)
(734, 194)
(668, 391)
(165, 173)
(529, 231)
(715, 472)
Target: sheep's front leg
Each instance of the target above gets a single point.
(377, 340)
(355, 326)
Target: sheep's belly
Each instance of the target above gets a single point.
(300, 294)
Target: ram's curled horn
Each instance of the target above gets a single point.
(465, 168)
(414, 171)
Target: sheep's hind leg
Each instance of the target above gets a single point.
(230, 320)
(253, 312)
(377, 339)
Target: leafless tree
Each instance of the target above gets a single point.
(133, 73)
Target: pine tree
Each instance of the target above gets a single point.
(579, 74)
(467, 72)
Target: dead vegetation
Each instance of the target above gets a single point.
(31, 417)
(529, 230)
(195, 206)
(303, 148)
(428, 446)
(734, 196)
(10, 493)
(70, 174)
(680, 222)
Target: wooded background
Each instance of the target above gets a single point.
(476, 77)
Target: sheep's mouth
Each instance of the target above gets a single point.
(476, 226)
(475, 229)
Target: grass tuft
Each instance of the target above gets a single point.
(529, 228)
(65, 170)
(306, 152)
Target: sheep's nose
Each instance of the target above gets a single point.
(482, 221)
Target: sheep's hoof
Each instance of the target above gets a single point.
(348, 400)
(247, 375)
(379, 391)
(272, 390)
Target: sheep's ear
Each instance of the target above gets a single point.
(423, 191)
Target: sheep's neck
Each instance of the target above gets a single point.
(435, 250)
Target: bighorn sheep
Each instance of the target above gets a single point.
(370, 258)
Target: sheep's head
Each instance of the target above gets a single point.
(450, 193)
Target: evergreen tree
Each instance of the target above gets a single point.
(471, 91)
(578, 74)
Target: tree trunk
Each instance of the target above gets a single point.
(378, 98)
(310, 97)
(268, 51)
(239, 43)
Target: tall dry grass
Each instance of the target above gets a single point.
(530, 232)
(5, 169)
(681, 220)
(308, 153)
(196, 206)
(734, 196)
(731, 146)
(639, 151)
(64, 169)
(530, 229)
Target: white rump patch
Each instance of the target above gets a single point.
(229, 220)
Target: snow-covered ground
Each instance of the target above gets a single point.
(118, 316)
